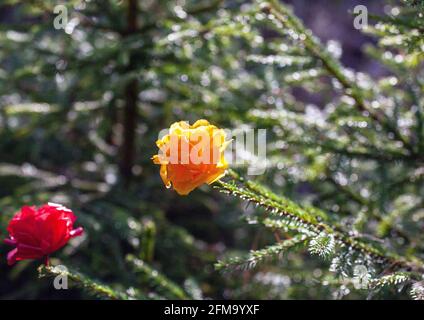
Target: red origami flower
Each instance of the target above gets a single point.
(38, 232)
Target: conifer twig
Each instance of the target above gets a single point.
(257, 256)
(283, 15)
(308, 222)
(90, 286)
(161, 283)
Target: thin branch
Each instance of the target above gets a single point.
(283, 15)
(289, 210)
(81, 281)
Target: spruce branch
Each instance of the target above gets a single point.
(364, 202)
(279, 14)
(417, 290)
(393, 279)
(259, 189)
(292, 215)
(323, 245)
(79, 280)
(156, 280)
(409, 23)
(256, 257)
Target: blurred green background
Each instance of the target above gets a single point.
(81, 108)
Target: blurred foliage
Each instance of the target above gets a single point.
(81, 108)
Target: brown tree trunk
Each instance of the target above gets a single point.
(130, 108)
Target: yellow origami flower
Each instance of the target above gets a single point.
(190, 156)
